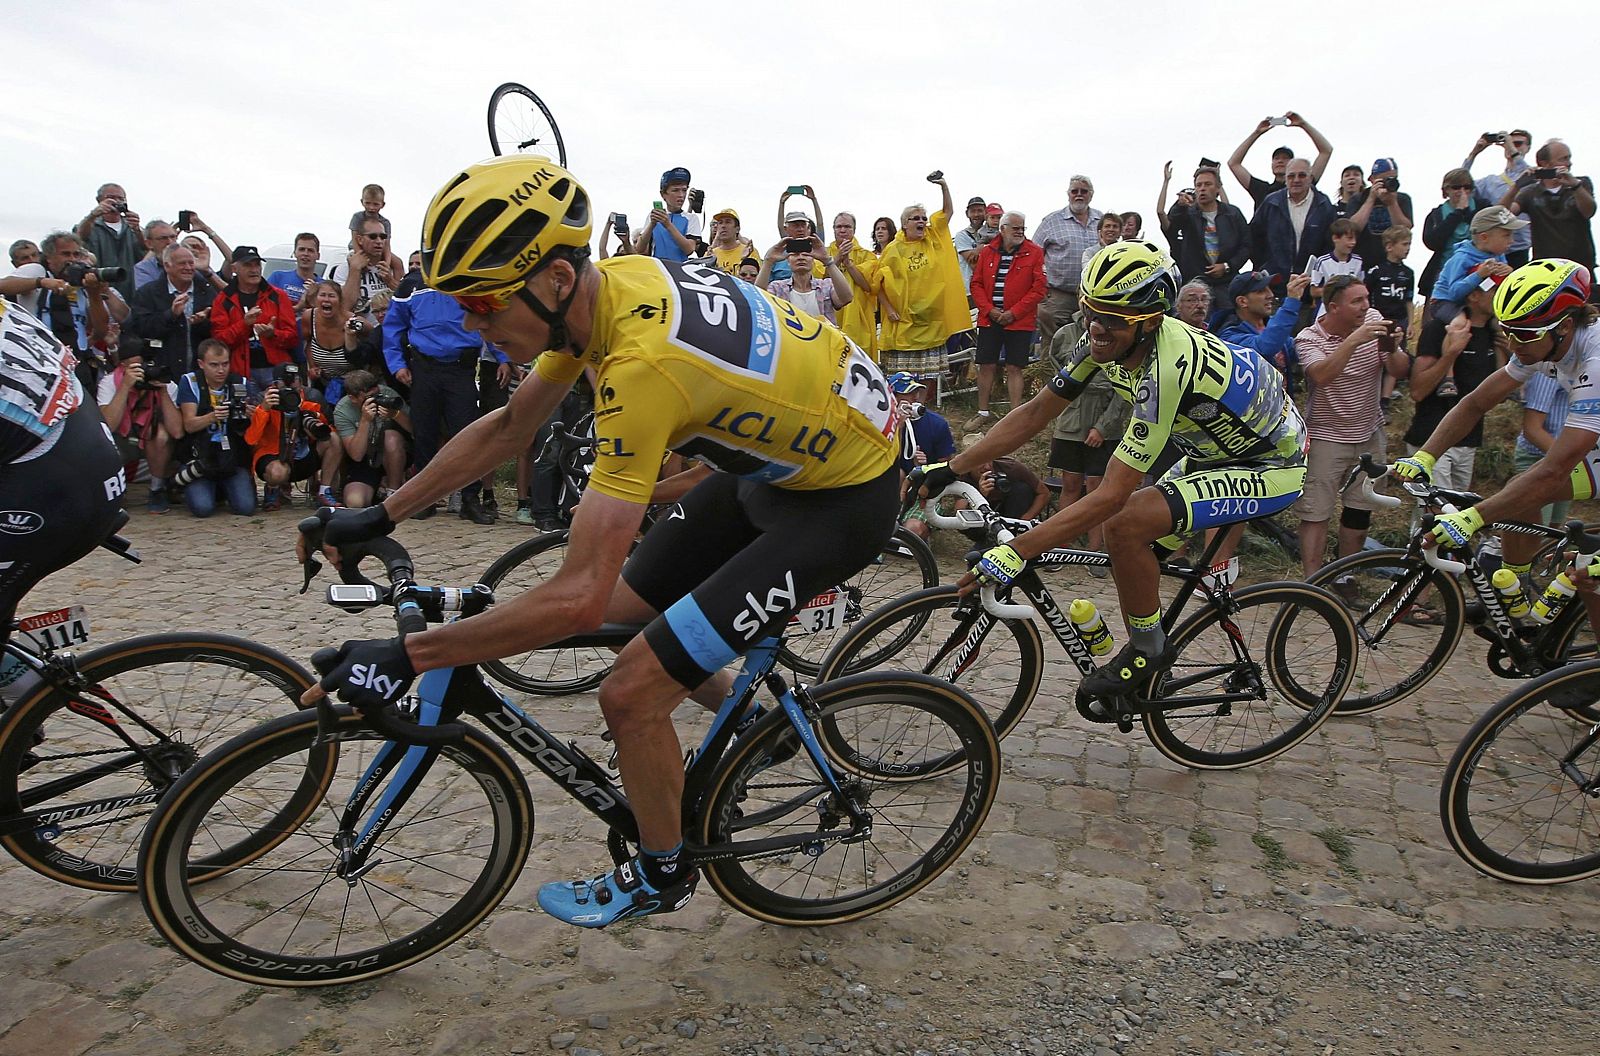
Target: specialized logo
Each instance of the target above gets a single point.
(758, 613)
(20, 522)
(367, 677)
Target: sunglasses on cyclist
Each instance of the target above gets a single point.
(486, 303)
(1527, 335)
(1114, 320)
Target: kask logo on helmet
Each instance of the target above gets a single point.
(524, 194)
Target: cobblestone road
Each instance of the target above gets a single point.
(1100, 854)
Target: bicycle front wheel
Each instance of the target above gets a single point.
(906, 564)
(1517, 800)
(1408, 618)
(999, 663)
(80, 775)
(549, 672)
(322, 905)
(1249, 685)
(841, 871)
(520, 123)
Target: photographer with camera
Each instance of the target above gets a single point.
(111, 232)
(173, 314)
(71, 296)
(1381, 206)
(289, 437)
(1515, 145)
(255, 320)
(374, 429)
(1559, 205)
(213, 403)
(145, 422)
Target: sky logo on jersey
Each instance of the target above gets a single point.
(717, 317)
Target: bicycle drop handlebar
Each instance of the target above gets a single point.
(1371, 470)
(408, 617)
(999, 527)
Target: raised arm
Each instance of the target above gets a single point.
(1236, 159)
(1320, 141)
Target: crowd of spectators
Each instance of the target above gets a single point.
(231, 386)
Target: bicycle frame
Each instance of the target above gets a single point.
(398, 768)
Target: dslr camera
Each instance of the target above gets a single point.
(74, 273)
(387, 401)
(1388, 183)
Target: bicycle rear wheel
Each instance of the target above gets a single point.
(78, 780)
(1514, 802)
(918, 828)
(906, 564)
(1298, 647)
(520, 123)
(449, 852)
(1402, 646)
(551, 672)
(999, 663)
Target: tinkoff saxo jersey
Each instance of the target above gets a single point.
(691, 359)
(1219, 403)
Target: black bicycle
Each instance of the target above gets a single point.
(1410, 607)
(907, 563)
(95, 740)
(1258, 669)
(520, 123)
(409, 825)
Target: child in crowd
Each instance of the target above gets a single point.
(1344, 260)
(372, 202)
(1393, 285)
(1483, 258)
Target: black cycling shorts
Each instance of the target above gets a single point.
(736, 559)
(57, 507)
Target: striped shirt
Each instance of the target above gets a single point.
(1063, 237)
(1543, 392)
(1001, 271)
(1346, 409)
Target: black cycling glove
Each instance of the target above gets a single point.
(933, 478)
(349, 527)
(370, 674)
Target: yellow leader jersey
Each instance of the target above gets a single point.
(690, 358)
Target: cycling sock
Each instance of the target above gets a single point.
(662, 869)
(1146, 633)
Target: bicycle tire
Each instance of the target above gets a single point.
(519, 128)
(892, 718)
(288, 919)
(921, 631)
(1509, 807)
(547, 672)
(85, 824)
(906, 564)
(1305, 678)
(1398, 655)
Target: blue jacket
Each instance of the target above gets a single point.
(1277, 336)
(430, 322)
(1272, 235)
(1456, 279)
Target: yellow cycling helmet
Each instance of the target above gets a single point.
(1132, 278)
(496, 223)
(1541, 293)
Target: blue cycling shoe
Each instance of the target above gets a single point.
(613, 896)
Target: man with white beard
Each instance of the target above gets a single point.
(1064, 235)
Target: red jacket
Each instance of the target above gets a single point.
(1025, 286)
(227, 325)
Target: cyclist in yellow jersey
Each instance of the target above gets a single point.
(1225, 407)
(687, 358)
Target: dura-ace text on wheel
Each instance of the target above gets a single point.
(892, 726)
(81, 773)
(297, 915)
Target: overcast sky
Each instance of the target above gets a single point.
(267, 119)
